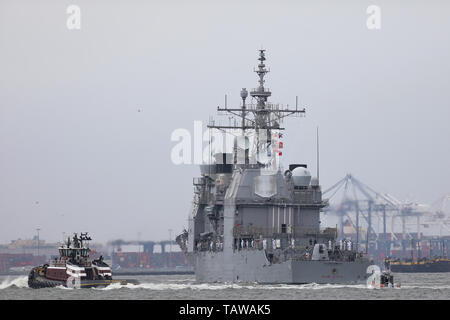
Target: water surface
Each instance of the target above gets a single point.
(413, 286)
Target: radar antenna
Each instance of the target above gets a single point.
(262, 115)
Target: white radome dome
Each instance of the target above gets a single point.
(301, 177)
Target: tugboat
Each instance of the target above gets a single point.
(73, 268)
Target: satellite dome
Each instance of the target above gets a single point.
(301, 177)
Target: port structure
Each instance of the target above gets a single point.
(148, 257)
(374, 220)
(147, 245)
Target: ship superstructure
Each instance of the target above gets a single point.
(252, 222)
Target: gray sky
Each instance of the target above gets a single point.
(76, 155)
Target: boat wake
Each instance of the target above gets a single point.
(234, 286)
(225, 286)
(22, 282)
(445, 287)
(18, 282)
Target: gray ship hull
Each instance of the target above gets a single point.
(253, 266)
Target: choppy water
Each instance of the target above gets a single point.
(413, 286)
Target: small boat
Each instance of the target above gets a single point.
(74, 268)
(387, 280)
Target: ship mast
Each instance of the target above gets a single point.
(262, 117)
(262, 114)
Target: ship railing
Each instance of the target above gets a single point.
(57, 264)
(291, 250)
(272, 106)
(257, 232)
(308, 196)
(251, 237)
(209, 245)
(294, 251)
(266, 90)
(254, 106)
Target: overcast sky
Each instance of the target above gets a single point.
(86, 115)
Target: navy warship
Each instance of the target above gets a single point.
(252, 221)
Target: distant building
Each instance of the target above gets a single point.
(30, 246)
